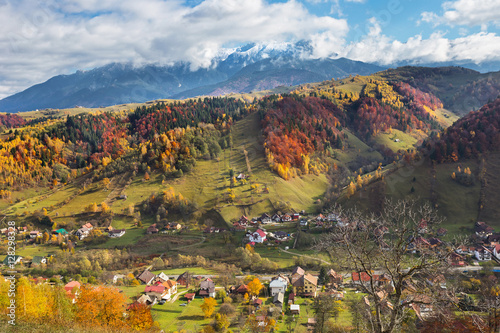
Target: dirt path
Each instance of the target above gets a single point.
(303, 255)
(177, 296)
(191, 245)
(118, 185)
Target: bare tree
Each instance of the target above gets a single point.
(394, 266)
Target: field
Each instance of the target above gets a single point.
(398, 140)
(457, 202)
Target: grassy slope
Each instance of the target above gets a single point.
(491, 208)
(458, 203)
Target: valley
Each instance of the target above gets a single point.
(256, 186)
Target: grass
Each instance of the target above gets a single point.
(458, 203)
(173, 316)
(192, 270)
(131, 292)
(356, 148)
(405, 140)
(284, 260)
(131, 236)
(32, 250)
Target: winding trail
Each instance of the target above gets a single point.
(305, 256)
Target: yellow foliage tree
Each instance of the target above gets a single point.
(208, 306)
(105, 208)
(254, 287)
(351, 189)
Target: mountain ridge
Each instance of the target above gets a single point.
(262, 66)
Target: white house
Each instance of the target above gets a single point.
(258, 236)
(116, 233)
(496, 251)
(482, 254)
(277, 286)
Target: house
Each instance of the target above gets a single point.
(310, 285)
(243, 220)
(465, 250)
(482, 254)
(441, 232)
(303, 223)
(297, 271)
(117, 277)
(334, 277)
(276, 218)
(295, 309)
(207, 288)
(332, 217)
(496, 251)
(295, 216)
(258, 236)
(435, 242)
(189, 296)
(279, 299)
(286, 218)
(34, 234)
(311, 324)
(291, 298)
(280, 234)
(174, 226)
(493, 238)
(362, 278)
(277, 286)
(257, 303)
(483, 230)
(146, 300)
(423, 227)
(184, 279)
(61, 231)
(72, 290)
(456, 259)
(82, 233)
(12, 260)
(240, 290)
(155, 291)
(152, 229)
(88, 225)
(320, 218)
(38, 260)
(238, 227)
(160, 278)
(265, 218)
(305, 285)
(146, 277)
(116, 233)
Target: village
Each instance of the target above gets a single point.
(284, 298)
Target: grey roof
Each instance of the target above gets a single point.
(207, 284)
(279, 297)
(146, 277)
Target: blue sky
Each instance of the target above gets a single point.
(43, 38)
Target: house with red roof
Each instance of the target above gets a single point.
(362, 278)
(73, 290)
(496, 251)
(258, 236)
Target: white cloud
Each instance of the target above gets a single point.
(466, 12)
(41, 39)
(379, 48)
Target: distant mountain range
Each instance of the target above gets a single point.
(254, 67)
(250, 68)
